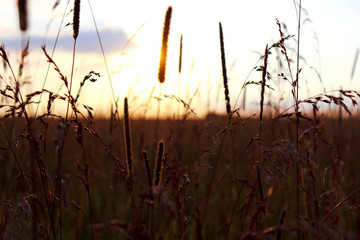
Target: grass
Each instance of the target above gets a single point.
(281, 173)
(182, 191)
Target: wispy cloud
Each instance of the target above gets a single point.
(87, 42)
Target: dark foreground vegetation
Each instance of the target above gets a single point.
(207, 183)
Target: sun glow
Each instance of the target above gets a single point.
(133, 66)
(134, 73)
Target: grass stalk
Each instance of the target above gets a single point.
(281, 223)
(148, 170)
(52, 55)
(224, 72)
(164, 45)
(86, 180)
(262, 97)
(76, 27)
(128, 147)
(258, 162)
(228, 110)
(298, 123)
(58, 187)
(108, 73)
(159, 163)
(179, 72)
(162, 62)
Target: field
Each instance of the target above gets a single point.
(199, 155)
(274, 174)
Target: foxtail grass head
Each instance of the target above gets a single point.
(128, 148)
(76, 19)
(223, 64)
(159, 163)
(164, 46)
(180, 53)
(23, 15)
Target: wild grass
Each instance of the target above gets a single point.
(279, 174)
(164, 45)
(23, 15)
(223, 65)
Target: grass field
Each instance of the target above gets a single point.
(276, 174)
(199, 155)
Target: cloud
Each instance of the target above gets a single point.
(87, 42)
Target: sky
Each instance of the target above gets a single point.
(131, 32)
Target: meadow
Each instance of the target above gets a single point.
(280, 173)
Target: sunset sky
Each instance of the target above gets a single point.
(330, 38)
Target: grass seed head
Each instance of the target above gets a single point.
(128, 147)
(159, 164)
(223, 64)
(76, 20)
(180, 53)
(164, 46)
(148, 169)
(23, 15)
